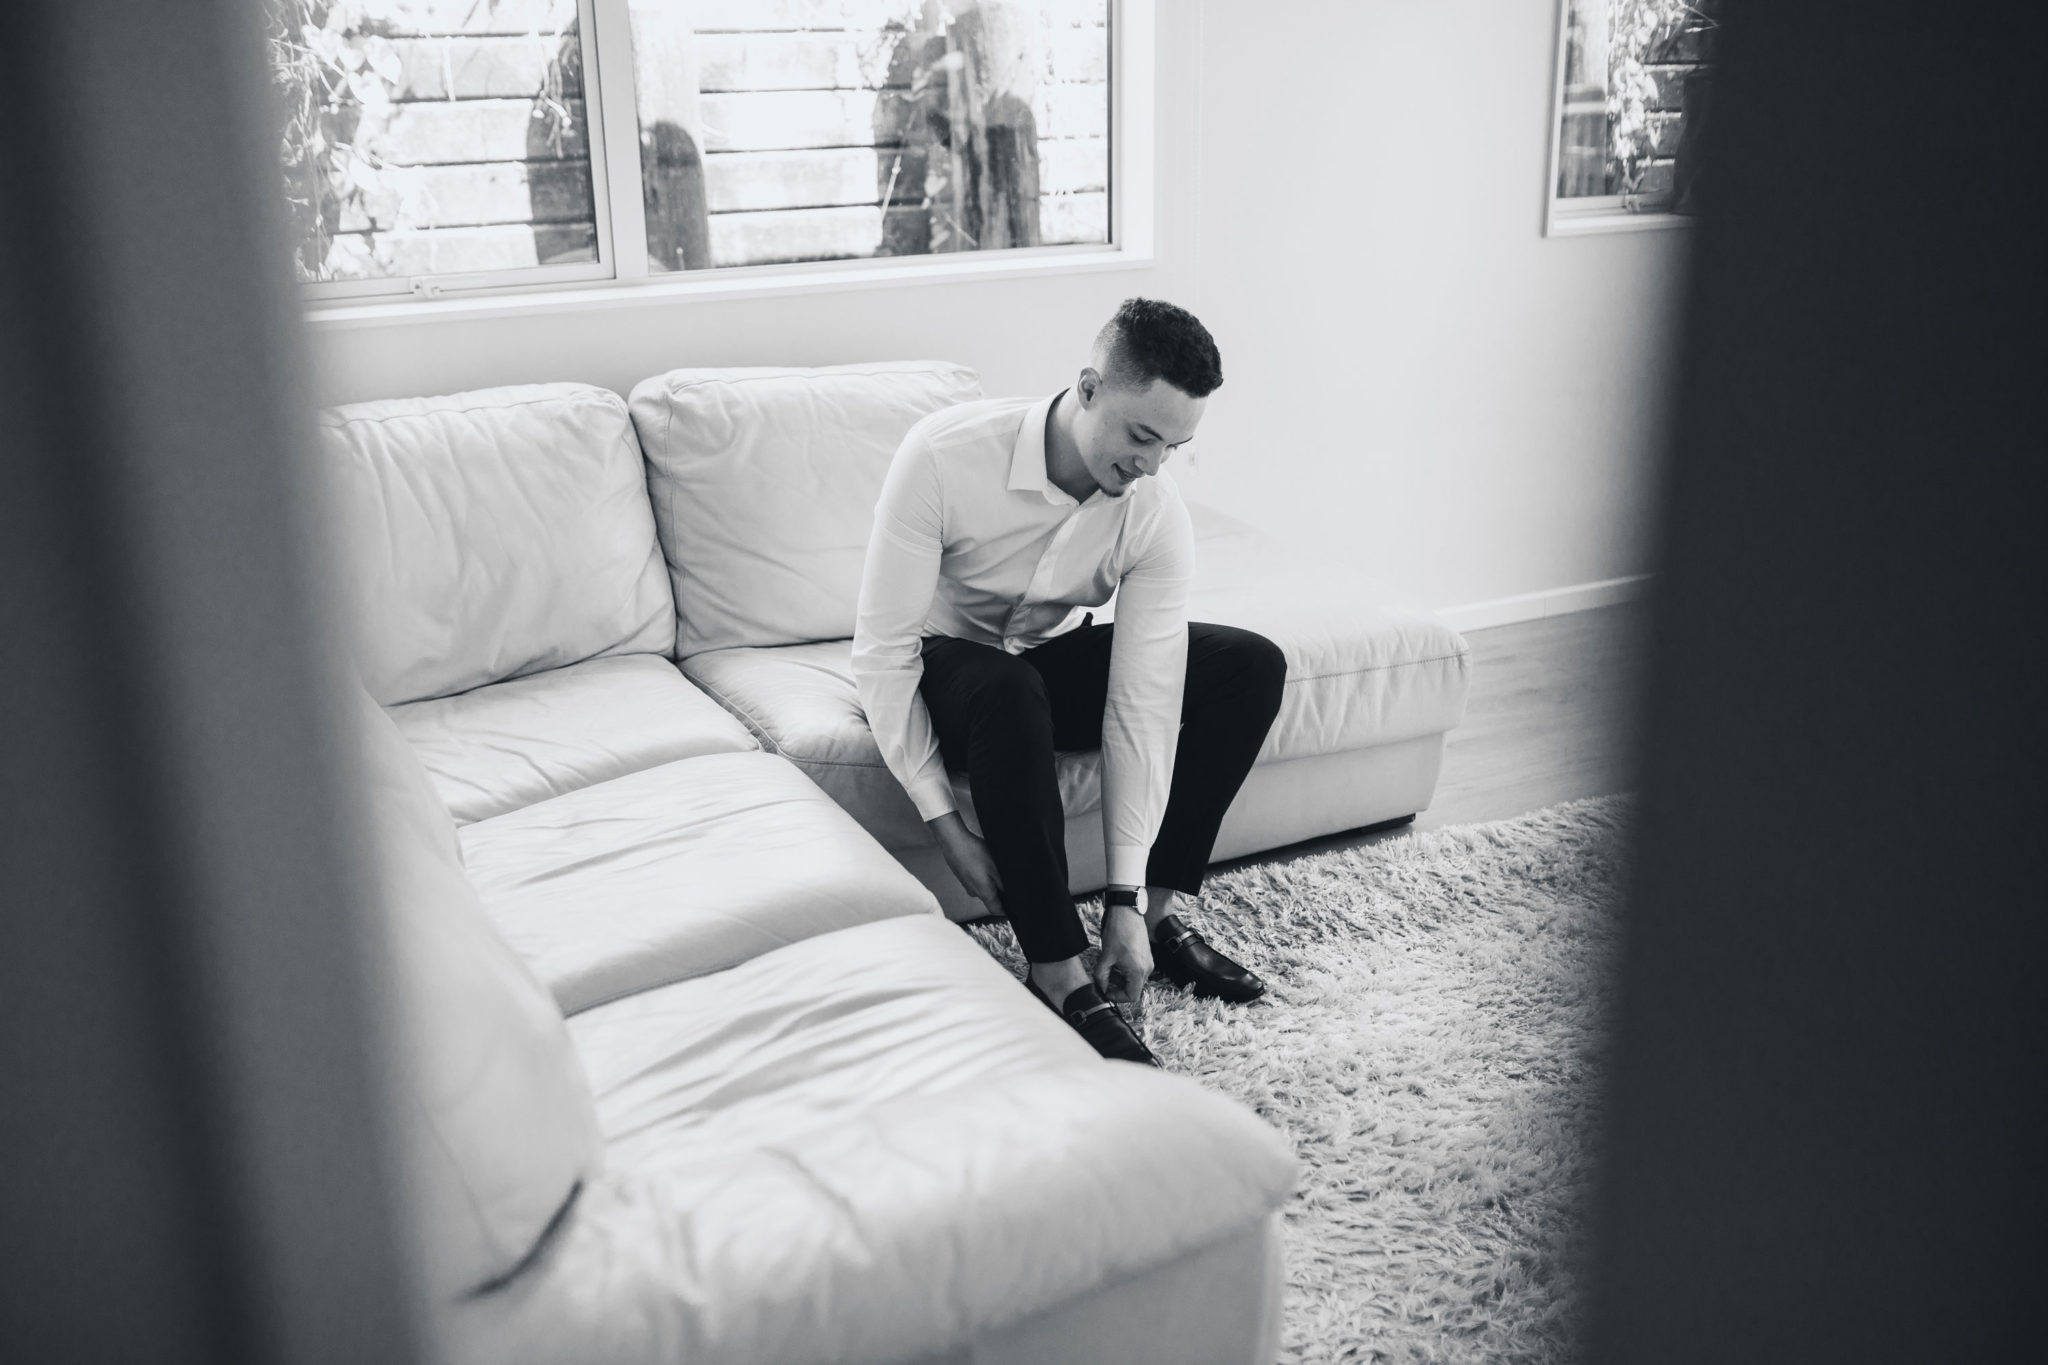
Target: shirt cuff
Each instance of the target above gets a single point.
(932, 794)
(1127, 866)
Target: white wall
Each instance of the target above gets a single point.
(1351, 197)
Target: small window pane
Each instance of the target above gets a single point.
(1635, 74)
(425, 137)
(807, 130)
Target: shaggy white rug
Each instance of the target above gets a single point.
(1430, 1040)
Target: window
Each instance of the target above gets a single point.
(437, 145)
(1634, 79)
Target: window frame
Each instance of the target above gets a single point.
(1592, 213)
(317, 292)
(620, 276)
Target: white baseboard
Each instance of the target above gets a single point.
(1532, 606)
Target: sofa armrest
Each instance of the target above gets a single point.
(899, 1234)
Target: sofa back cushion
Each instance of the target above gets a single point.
(492, 534)
(764, 484)
(497, 1125)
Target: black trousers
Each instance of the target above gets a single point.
(1001, 717)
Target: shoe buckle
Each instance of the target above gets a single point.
(1080, 1017)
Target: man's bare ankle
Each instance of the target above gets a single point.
(1161, 901)
(1059, 979)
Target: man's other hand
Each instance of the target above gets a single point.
(970, 860)
(1126, 961)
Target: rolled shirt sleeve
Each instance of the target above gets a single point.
(1148, 662)
(897, 582)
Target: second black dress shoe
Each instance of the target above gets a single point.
(1184, 957)
(1100, 1022)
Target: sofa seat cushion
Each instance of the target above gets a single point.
(513, 743)
(1365, 666)
(809, 1035)
(675, 871)
(492, 534)
(801, 701)
(870, 1146)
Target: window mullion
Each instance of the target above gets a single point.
(612, 90)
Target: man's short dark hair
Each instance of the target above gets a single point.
(1151, 339)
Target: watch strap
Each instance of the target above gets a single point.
(1120, 895)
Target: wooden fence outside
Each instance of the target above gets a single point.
(816, 140)
(818, 129)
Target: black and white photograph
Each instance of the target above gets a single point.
(1022, 682)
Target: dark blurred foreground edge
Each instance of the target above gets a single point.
(191, 1162)
(1824, 1141)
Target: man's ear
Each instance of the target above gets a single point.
(1087, 385)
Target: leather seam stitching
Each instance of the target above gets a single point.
(331, 419)
(767, 741)
(909, 368)
(1380, 668)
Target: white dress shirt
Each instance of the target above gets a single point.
(972, 540)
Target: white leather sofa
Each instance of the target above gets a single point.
(695, 1072)
(764, 482)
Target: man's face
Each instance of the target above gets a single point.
(1126, 433)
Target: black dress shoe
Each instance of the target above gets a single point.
(1099, 1021)
(1184, 957)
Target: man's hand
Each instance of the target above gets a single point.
(970, 860)
(1126, 951)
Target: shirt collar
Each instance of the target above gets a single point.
(1027, 460)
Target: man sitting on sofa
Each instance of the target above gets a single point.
(1000, 523)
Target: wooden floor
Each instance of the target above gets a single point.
(1549, 720)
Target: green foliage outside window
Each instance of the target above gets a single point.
(333, 62)
(1643, 33)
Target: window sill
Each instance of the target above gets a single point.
(1567, 224)
(740, 283)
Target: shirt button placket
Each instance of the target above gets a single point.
(1040, 588)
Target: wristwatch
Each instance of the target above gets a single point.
(1120, 895)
